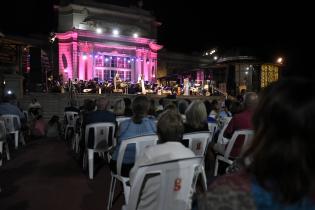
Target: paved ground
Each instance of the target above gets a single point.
(46, 175)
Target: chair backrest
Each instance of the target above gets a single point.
(197, 141)
(121, 119)
(140, 142)
(173, 182)
(248, 135)
(12, 122)
(102, 134)
(71, 118)
(226, 123)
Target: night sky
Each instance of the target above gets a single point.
(271, 29)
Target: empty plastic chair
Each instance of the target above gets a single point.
(101, 139)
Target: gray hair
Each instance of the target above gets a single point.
(251, 100)
(119, 107)
(196, 114)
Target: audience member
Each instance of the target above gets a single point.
(53, 127)
(196, 117)
(119, 107)
(182, 107)
(239, 121)
(72, 107)
(278, 168)
(138, 125)
(128, 110)
(170, 130)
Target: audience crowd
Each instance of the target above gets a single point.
(276, 170)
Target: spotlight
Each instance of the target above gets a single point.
(99, 30)
(84, 57)
(115, 32)
(135, 35)
(9, 92)
(215, 57)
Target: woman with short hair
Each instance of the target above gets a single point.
(196, 117)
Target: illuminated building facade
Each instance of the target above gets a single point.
(100, 40)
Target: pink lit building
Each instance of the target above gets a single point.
(99, 40)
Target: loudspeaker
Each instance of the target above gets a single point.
(36, 76)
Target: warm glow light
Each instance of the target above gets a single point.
(215, 57)
(84, 57)
(99, 30)
(135, 35)
(246, 72)
(280, 60)
(247, 68)
(206, 53)
(115, 32)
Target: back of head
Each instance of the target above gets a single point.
(250, 100)
(182, 106)
(73, 103)
(140, 108)
(208, 106)
(282, 150)
(170, 127)
(102, 103)
(127, 102)
(196, 114)
(119, 107)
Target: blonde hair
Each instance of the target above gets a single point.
(196, 114)
(119, 107)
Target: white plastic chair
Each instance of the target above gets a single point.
(121, 119)
(13, 125)
(248, 135)
(221, 139)
(140, 142)
(175, 183)
(198, 141)
(103, 133)
(3, 141)
(71, 120)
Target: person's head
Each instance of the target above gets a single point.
(171, 106)
(282, 151)
(170, 127)
(54, 119)
(102, 103)
(152, 107)
(250, 100)
(127, 102)
(215, 105)
(182, 106)
(119, 107)
(140, 108)
(196, 114)
(208, 106)
(236, 107)
(72, 103)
